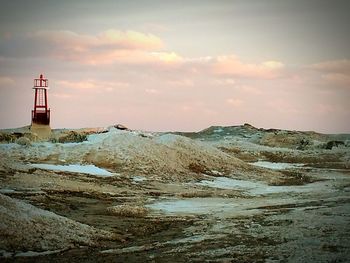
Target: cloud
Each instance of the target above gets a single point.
(88, 84)
(108, 39)
(129, 40)
(151, 91)
(250, 90)
(91, 85)
(6, 81)
(154, 27)
(181, 83)
(235, 102)
(334, 72)
(225, 82)
(273, 64)
(232, 66)
(325, 108)
(333, 66)
(283, 105)
(114, 46)
(168, 57)
(109, 46)
(338, 79)
(61, 95)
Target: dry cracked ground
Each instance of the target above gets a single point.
(225, 194)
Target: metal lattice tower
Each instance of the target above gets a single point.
(41, 112)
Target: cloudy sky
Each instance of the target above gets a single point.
(178, 65)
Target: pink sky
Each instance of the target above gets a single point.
(148, 74)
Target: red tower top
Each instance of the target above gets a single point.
(41, 112)
(41, 82)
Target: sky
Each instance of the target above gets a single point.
(178, 65)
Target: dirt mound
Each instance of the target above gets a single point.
(10, 137)
(71, 136)
(25, 227)
(163, 154)
(292, 140)
(77, 135)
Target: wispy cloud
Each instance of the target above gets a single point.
(332, 66)
(151, 91)
(232, 65)
(335, 72)
(91, 84)
(181, 82)
(106, 47)
(108, 39)
(63, 96)
(235, 102)
(338, 79)
(6, 81)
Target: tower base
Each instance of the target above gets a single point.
(43, 131)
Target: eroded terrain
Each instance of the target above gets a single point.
(225, 194)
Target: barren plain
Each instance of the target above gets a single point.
(224, 194)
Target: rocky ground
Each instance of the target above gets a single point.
(225, 194)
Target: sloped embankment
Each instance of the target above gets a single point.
(25, 227)
(165, 154)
